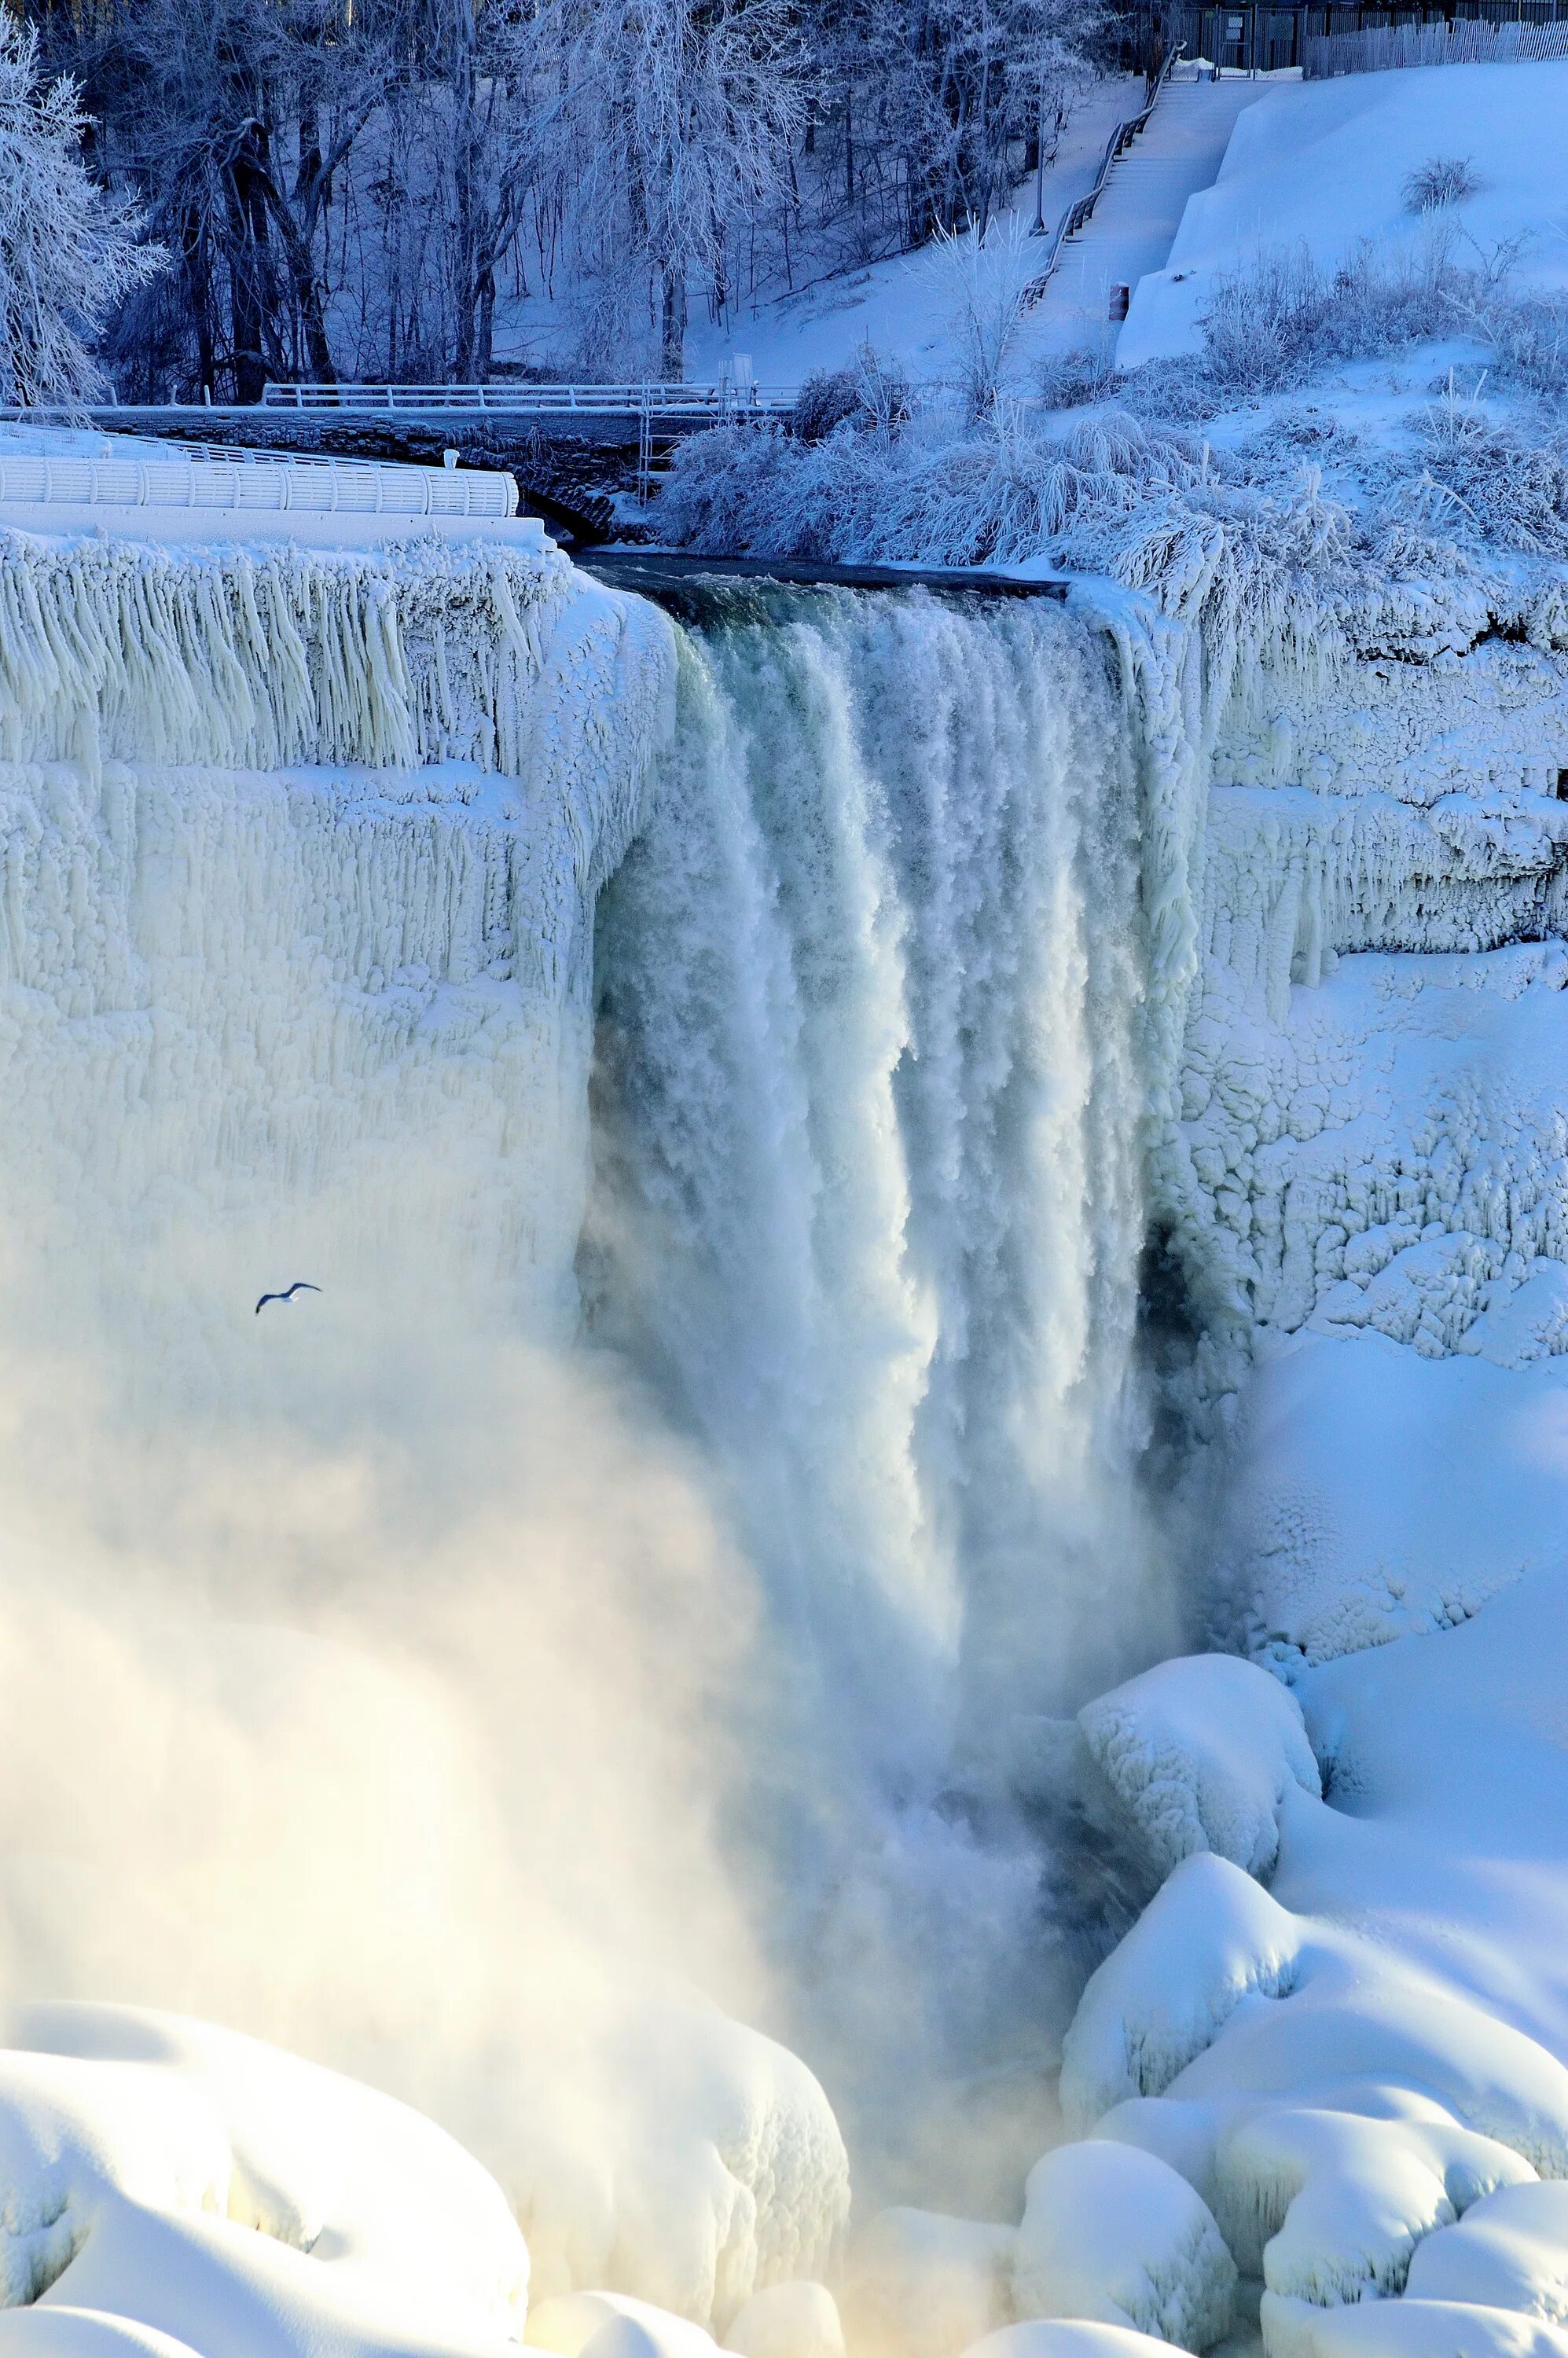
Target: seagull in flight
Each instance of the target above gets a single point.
(300, 1285)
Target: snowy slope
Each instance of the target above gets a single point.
(904, 307)
(1321, 166)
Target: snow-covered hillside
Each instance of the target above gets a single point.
(1323, 167)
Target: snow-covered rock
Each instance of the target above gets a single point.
(1201, 1753)
(569, 2322)
(1113, 2234)
(1509, 2251)
(1066, 2338)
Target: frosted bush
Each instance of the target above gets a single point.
(1276, 324)
(1487, 482)
(1265, 326)
(869, 394)
(995, 497)
(1441, 180)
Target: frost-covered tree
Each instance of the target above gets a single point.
(682, 117)
(69, 252)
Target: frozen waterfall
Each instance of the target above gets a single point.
(869, 1119)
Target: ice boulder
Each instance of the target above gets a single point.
(1201, 1753)
(788, 2320)
(922, 2286)
(570, 2321)
(1113, 2234)
(1509, 2251)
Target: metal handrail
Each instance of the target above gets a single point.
(1078, 212)
(645, 400)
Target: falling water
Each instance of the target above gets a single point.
(868, 1206)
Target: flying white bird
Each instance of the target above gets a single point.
(300, 1285)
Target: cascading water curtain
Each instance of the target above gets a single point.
(869, 1200)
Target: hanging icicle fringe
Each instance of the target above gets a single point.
(111, 650)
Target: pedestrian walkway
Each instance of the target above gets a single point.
(1134, 224)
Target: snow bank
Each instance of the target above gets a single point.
(1322, 166)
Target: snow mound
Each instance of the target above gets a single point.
(1405, 2329)
(1509, 2251)
(1201, 1753)
(1066, 2338)
(569, 2321)
(196, 2183)
(82, 2334)
(920, 2286)
(1114, 2235)
(1209, 1939)
(788, 2320)
(1325, 165)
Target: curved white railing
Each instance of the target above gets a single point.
(233, 481)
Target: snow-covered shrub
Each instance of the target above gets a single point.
(992, 497)
(985, 277)
(1264, 327)
(1441, 180)
(1489, 481)
(68, 252)
(869, 393)
(1529, 334)
(1278, 322)
(1076, 379)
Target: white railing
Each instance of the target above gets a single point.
(514, 400)
(1460, 41)
(230, 479)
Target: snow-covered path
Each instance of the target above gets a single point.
(1134, 225)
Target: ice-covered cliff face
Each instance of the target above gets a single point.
(1359, 908)
(1379, 1143)
(299, 849)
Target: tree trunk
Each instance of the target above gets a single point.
(672, 341)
